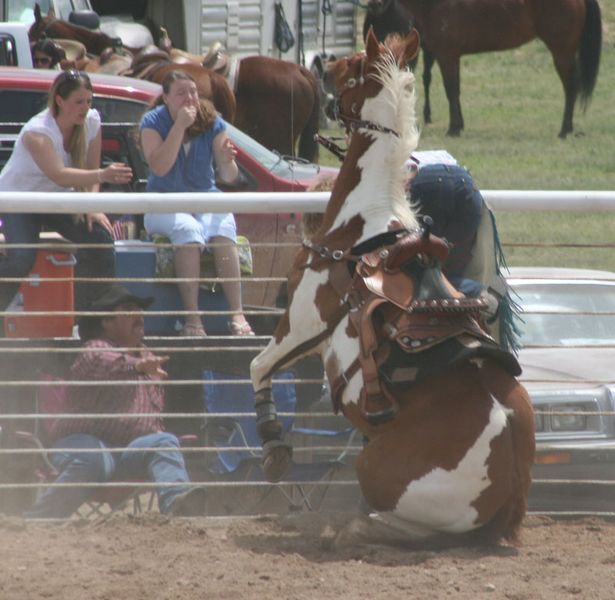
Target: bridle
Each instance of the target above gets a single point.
(349, 122)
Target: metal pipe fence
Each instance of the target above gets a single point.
(204, 450)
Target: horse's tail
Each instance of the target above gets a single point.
(589, 51)
(308, 146)
(223, 97)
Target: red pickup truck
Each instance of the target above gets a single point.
(121, 102)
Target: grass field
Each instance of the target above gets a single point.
(513, 104)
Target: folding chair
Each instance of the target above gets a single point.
(51, 399)
(238, 456)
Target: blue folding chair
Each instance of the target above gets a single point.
(307, 483)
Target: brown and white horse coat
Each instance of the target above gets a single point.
(457, 455)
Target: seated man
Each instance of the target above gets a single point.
(103, 337)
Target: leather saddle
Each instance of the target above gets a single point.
(217, 60)
(147, 61)
(399, 299)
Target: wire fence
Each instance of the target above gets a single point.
(318, 435)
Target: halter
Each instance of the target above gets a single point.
(352, 123)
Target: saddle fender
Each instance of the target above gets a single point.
(416, 312)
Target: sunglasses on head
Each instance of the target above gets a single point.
(71, 75)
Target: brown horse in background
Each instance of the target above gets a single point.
(449, 29)
(276, 102)
(95, 42)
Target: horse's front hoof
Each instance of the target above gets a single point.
(276, 459)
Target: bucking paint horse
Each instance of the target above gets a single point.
(449, 430)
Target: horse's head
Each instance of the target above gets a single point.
(358, 77)
(38, 28)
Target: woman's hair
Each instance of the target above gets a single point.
(206, 113)
(64, 85)
(51, 49)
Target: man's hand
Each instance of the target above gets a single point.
(151, 365)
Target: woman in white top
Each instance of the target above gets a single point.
(59, 150)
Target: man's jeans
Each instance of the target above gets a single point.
(164, 465)
(91, 262)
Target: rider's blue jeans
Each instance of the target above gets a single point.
(164, 465)
(447, 193)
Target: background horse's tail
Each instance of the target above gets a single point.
(308, 146)
(589, 51)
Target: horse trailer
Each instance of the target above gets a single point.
(307, 31)
(319, 28)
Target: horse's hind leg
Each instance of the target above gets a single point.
(308, 147)
(428, 60)
(566, 69)
(563, 46)
(570, 92)
(449, 66)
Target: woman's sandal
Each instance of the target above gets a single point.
(241, 329)
(192, 331)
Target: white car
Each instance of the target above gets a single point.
(568, 361)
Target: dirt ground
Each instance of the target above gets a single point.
(293, 557)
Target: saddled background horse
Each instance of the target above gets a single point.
(277, 102)
(449, 453)
(449, 29)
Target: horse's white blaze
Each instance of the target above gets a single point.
(443, 499)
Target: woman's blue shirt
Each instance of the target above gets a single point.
(190, 173)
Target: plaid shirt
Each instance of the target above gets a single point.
(108, 364)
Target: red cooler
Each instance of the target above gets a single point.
(49, 296)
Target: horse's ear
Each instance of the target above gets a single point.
(51, 13)
(411, 43)
(37, 13)
(371, 45)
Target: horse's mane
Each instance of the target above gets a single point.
(398, 84)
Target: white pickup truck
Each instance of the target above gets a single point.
(14, 45)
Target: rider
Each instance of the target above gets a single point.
(439, 187)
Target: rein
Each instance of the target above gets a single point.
(331, 146)
(354, 254)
